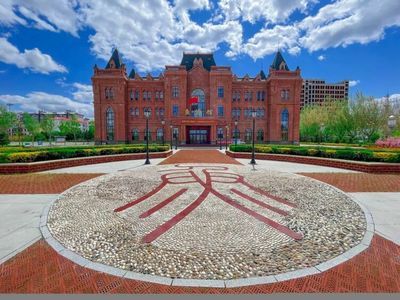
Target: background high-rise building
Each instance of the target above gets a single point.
(316, 91)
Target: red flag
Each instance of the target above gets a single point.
(193, 100)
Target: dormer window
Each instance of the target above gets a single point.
(282, 66)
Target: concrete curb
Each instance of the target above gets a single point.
(320, 268)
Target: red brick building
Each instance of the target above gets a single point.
(198, 101)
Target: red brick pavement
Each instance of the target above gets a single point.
(199, 156)
(35, 183)
(359, 182)
(39, 269)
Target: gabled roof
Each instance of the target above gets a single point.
(188, 58)
(132, 74)
(116, 58)
(278, 60)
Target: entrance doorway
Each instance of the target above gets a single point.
(197, 135)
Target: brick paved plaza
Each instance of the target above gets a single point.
(158, 203)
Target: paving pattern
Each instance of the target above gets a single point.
(360, 182)
(40, 183)
(199, 156)
(201, 221)
(39, 269)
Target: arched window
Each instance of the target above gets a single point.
(198, 107)
(110, 124)
(137, 111)
(248, 137)
(111, 93)
(135, 135)
(260, 135)
(285, 125)
(160, 134)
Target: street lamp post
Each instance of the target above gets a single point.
(170, 126)
(147, 115)
(391, 123)
(163, 131)
(226, 137)
(253, 115)
(236, 130)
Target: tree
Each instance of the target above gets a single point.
(32, 125)
(89, 134)
(48, 127)
(71, 127)
(7, 119)
(4, 139)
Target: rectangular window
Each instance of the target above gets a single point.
(248, 96)
(144, 95)
(220, 92)
(220, 111)
(137, 95)
(157, 95)
(175, 92)
(131, 95)
(149, 95)
(175, 110)
(161, 95)
(285, 94)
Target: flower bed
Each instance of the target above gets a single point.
(367, 155)
(22, 155)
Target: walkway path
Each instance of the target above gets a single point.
(39, 269)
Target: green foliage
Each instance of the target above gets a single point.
(32, 155)
(360, 120)
(4, 139)
(70, 128)
(338, 153)
(32, 125)
(7, 119)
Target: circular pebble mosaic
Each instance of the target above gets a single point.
(206, 222)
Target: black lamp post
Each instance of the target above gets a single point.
(226, 137)
(176, 140)
(253, 114)
(147, 115)
(236, 131)
(163, 131)
(170, 126)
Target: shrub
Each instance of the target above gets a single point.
(328, 153)
(386, 156)
(262, 149)
(4, 139)
(313, 152)
(23, 156)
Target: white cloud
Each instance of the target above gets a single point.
(274, 11)
(349, 21)
(321, 57)
(35, 101)
(55, 16)
(353, 82)
(32, 59)
(82, 93)
(267, 41)
(154, 33)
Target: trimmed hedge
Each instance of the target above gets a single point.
(69, 152)
(339, 153)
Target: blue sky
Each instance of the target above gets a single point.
(48, 48)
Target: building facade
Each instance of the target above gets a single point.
(316, 91)
(197, 102)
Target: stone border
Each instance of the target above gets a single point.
(368, 167)
(14, 168)
(320, 268)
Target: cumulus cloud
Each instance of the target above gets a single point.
(82, 93)
(353, 82)
(267, 41)
(273, 11)
(349, 21)
(154, 33)
(55, 16)
(32, 59)
(35, 101)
